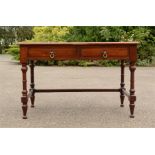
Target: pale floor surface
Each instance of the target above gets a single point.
(93, 110)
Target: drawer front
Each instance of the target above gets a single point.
(104, 53)
(53, 53)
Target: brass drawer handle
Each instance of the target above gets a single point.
(105, 55)
(52, 55)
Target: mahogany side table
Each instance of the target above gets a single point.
(123, 51)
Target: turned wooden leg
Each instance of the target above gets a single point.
(132, 89)
(24, 98)
(32, 97)
(122, 96)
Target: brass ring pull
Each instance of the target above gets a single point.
(52, 55)
(104, 54)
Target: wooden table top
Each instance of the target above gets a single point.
(78, 43)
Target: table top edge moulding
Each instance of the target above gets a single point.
(77, 43)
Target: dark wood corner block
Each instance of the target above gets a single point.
(123, 51)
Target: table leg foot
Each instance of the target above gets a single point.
(122, 100)
(32, 106)
(132, 107)
(132, 116)
(32, 101)
(121, 105)
(24, 108)
(24, 117)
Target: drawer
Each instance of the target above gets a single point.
(52, 53)
(104, 53)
